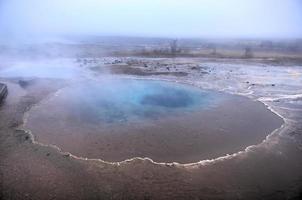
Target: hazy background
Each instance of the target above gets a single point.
(25, 19)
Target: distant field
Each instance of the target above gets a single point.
(276, 51)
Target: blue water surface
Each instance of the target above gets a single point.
(121, 100)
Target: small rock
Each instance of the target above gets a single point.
(25, 83)
(66, 155)
(3, 92)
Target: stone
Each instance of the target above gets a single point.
(25, 83)
(3, 92)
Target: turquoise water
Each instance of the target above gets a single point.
(121, 100)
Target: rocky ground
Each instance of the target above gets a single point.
(269, 170)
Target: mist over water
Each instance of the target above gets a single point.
(59, 69)
(121, 100)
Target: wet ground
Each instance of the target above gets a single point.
(268, 170)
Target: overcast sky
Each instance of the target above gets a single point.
(163, 18)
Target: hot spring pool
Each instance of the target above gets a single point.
(124, 100)
(118, 118)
